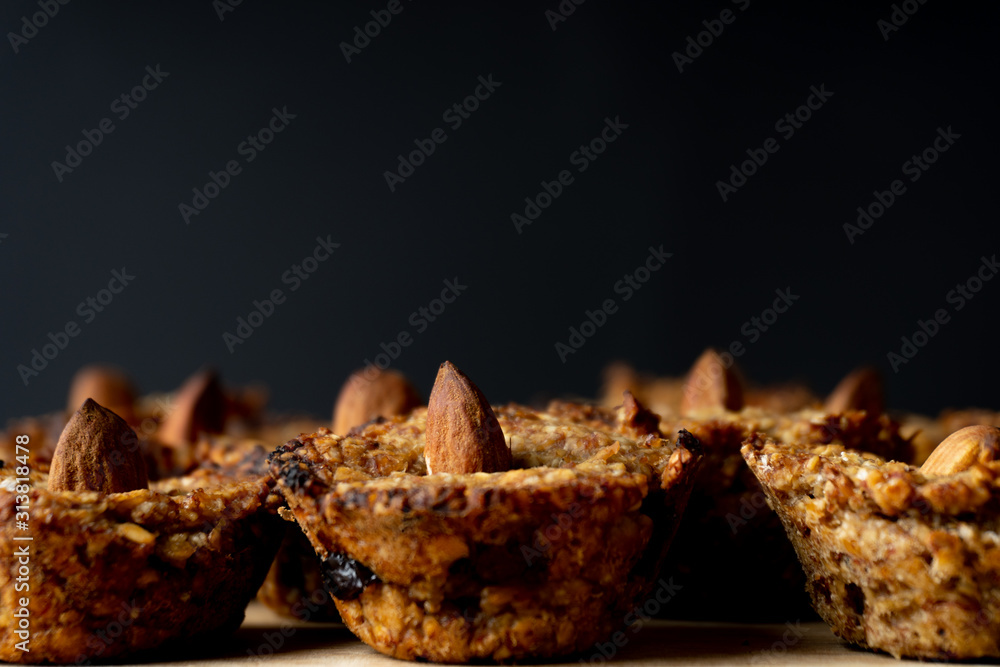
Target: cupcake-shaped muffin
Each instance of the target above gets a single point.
(898, 559)
(458, 533)
(113, 564)
(728, 529)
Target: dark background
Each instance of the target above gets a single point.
(323, 176)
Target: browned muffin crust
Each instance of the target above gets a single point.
(729, 529)
(539, 561)
(895, 561)
(179, 560)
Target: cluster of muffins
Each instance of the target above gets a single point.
(459, 532)
(131, 542)
(895, 558)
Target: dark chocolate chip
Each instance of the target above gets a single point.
(345, 578)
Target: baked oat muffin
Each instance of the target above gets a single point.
(898, 559)
(200, 425)
(294, 586)
(118, 565)
(927, 432)
(43, 432)
(955, 419)
(922, 431)
(662, 395)
(533, 537)
(665, 395)
(175, 430)
(728, 529)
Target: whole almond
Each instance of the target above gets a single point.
(97, 451)
(861, 389)
(962, 449)
(199, 407)
(107, 385)
(620, 377)
(463, 434)
(711, 385)
(370, 393)
(635, 419)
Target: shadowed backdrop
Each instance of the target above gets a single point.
(288, 190)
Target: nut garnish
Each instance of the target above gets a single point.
(199, 407)
(711, 385)
(635, 419)
(861, 389)
(108, 386)
(962, 449)
(97, 451)
(463, 434)
(620, 377)
(371, 393)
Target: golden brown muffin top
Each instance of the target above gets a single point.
(169, 506)
(833, 479)
(566, 436)
(382, 463)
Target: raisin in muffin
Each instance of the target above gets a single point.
(533, 537)
(294, 586)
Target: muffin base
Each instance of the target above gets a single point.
(895, 562)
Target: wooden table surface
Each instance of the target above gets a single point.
(266, 638)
